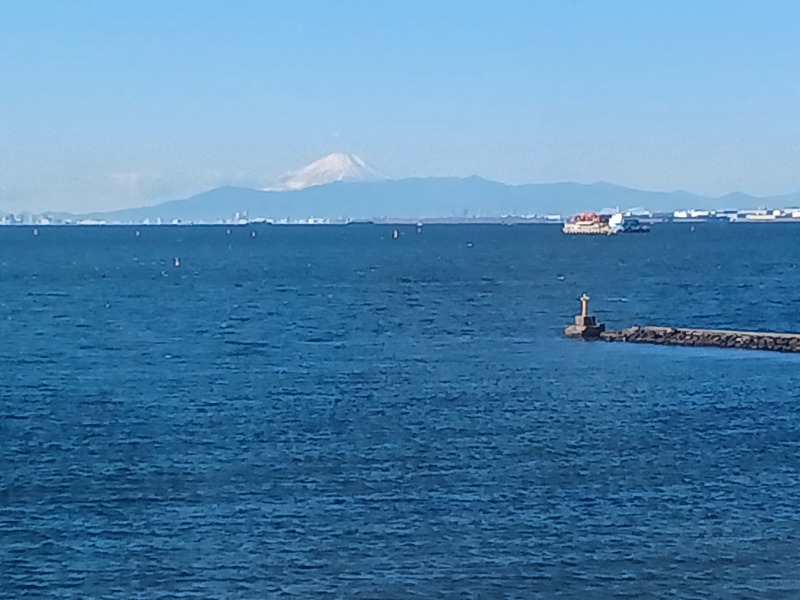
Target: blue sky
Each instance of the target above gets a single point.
(112, 104)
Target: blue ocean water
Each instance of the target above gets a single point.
(325, 412)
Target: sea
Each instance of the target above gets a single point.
(328, 412)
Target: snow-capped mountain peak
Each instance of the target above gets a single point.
(328, 169)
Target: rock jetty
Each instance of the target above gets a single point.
(587, 328)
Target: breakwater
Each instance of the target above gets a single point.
(587, 328)
(717, 338)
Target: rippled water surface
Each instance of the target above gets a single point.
(325, 412)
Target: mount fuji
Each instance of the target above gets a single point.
(328, 169)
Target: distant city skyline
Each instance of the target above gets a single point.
(113, 105)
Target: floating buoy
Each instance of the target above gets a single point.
(138, 233)
(252, 234)
(177, 262)
(395, 234)
(35, 232)
(227, 232)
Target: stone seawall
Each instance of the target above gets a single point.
(717, 338)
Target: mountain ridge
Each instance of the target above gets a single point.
(420, 197)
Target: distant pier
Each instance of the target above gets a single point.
(587, 328)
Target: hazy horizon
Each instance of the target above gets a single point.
(114, 106)
(785, 200)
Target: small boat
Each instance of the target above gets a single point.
(630, 225)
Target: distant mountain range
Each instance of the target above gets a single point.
(428, 197)
(342, 186)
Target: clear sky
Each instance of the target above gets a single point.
(109, 104)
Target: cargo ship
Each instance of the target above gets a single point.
(589, 223)
(594, 224)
